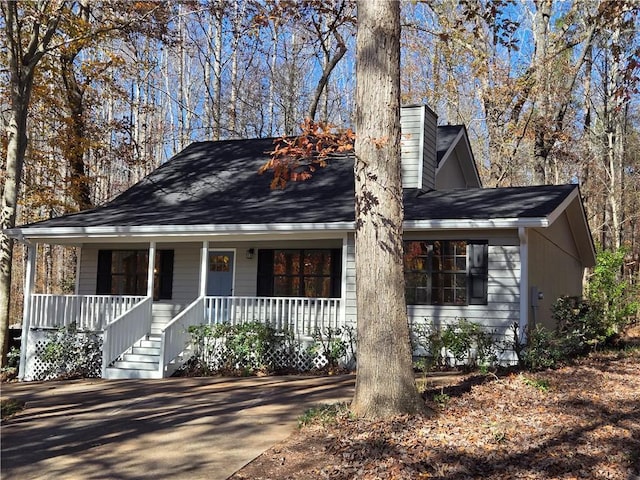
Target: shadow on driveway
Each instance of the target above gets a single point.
(172, 428)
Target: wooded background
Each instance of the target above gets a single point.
(547, 90)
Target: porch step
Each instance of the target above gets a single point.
(141, 357)
(142, 361)
(145, 350)
(114, 373)
(135, 365)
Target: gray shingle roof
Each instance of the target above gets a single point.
(217, 183)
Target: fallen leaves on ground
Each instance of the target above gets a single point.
(577, 422)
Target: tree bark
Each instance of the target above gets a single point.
(75, 152)
(385, 384)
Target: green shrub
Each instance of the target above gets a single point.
(543, 350)
(429, 338)
(244, 348)
(579, 325)
(335, 344)
(468, 342)
(68, 353)
(9, 407)
(617, 297)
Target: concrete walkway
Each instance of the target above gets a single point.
(178, 428)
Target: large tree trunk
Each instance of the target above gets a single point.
(385, 382)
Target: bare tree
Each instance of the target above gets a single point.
(28, 37)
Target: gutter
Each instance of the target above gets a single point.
(31, 233)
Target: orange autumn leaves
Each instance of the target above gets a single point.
(295, 159)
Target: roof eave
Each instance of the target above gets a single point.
(44, 233)
(41, 234)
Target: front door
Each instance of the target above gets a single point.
(220, 276)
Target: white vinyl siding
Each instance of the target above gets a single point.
(503, 305)
(418, 147)
(350, 281)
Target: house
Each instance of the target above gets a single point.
(227, 248)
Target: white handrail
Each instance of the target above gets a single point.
(300, 315)
(124, 331)
(88, 312)
(176, 336)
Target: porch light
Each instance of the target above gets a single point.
(250, 253)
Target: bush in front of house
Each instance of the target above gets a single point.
(336, 345)
(243, 349)
(580, 328)
(466, 343)
(256, 348)
(68, 353)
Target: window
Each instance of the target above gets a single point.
(299, 273)
(445, 272)
(124, 272)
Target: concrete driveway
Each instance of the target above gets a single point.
(179, 428)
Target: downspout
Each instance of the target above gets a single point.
(29, 282)
(523, 234)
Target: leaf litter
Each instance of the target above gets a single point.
(578, 422)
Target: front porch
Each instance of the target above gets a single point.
(137, 344)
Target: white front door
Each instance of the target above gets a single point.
(220, 276)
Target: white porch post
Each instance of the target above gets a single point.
(523, 234)
(204, 262)
(343, 280)
(151, 268)
(78, 261)
(29, 281)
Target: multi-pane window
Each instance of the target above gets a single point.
(445, 272)
(124, 272)
(299, 273)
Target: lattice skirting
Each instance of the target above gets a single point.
(296, 356)
(35, 366)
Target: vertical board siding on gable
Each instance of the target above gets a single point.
(450, 174)
(555, 267)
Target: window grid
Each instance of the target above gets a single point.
(302, 273)
(436, 272)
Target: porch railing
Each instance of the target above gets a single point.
(124, 331)
(300, 315)
(89, 312)
(175, 335)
